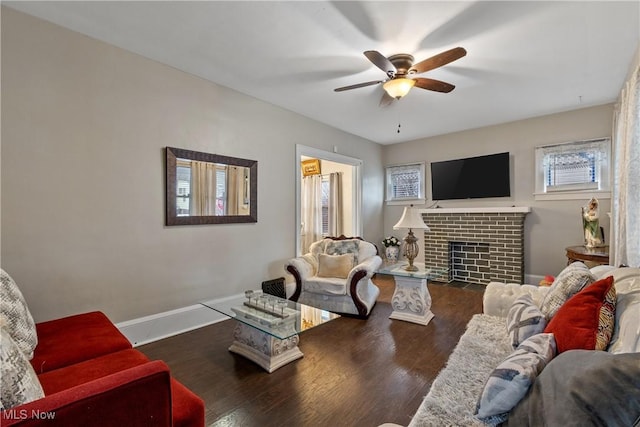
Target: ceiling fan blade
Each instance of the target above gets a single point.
(435, 85)
(438, 60)
(356, 86)
(381, 61)
(386, 100)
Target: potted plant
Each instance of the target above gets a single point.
(392, 248)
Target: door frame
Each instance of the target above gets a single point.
(303, 150)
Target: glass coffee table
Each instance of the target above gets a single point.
(267, 327)
(411, 300)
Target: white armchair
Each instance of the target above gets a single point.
(336, 276)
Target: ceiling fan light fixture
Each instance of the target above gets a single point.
(397, 88)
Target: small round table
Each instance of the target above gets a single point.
(599, 255)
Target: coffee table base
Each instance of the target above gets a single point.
(267, 351)
(411, 301)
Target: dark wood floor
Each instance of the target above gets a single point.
(353, 373)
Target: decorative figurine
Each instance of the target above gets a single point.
(591, 224)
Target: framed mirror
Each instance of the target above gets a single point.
(203, 188)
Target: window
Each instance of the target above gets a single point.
(405, 183)
(184, 184)
(183, 190)
(326, 190)
(573, 170)
(221, 189)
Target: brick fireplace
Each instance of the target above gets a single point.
(478, 245)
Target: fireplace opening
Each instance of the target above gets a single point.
(469, 262)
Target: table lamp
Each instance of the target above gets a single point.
(411, 219)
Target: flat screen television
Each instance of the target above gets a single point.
(471, 178)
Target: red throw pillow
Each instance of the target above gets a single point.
(586, 320)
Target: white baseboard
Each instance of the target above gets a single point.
(158, 326)
(147, 329)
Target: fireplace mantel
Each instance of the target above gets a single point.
(506, 209)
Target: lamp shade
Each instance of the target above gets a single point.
(399, 87)
(411, 218)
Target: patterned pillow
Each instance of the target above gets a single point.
(586, 321)
(19, 321)
(510, 381)
(607, 319)
(341, 247)
(18, 381)
(570, 281)
(524, 320)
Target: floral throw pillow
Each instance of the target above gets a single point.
(13, 307)
(524, 320)
(18, 381)
(341, 247)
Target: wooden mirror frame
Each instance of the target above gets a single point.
(171, 218)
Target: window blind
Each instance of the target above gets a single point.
(404, 182)
(574, 166)
(325, 205)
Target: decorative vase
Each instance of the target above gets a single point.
(391, 253)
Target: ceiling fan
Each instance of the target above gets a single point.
(400, 70)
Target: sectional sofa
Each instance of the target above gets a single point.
(541, 356)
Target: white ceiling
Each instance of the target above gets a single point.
(524, 59)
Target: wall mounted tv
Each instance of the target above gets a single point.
(471, 178)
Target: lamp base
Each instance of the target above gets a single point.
(411, 250)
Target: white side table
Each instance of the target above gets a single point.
(411, 300)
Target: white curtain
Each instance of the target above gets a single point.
(234, 178)
(311, 207)
(203, 187)
(335, 204)
(310, 317)
(625, 210)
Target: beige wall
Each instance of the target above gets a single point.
(83, 130)
(551, 225)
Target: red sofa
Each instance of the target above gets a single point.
(91, 375)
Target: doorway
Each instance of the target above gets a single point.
(349, 168)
